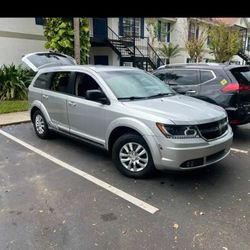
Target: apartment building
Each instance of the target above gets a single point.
(123, 40)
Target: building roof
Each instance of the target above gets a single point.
(230, 21)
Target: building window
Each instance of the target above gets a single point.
(39, 20)
(191, 31)
(163, 32)
(128, 26)
(208, 40)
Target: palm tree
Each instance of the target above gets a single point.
(169, 51)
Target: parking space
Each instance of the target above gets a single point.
(46, 206)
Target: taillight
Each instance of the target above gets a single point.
(232, 87)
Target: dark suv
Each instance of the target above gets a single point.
(225, 85)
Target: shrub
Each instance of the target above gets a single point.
(14, 81)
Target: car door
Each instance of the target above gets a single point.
(54, 95)
(87, 119)
(55, 98)
(185, 81)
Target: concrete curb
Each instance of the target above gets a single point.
(14, 118)
(14, 123)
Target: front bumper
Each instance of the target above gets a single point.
(189, 154)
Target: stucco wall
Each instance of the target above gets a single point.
(19, 36)
(104, 51)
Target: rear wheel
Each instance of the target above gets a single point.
(132, 156)
(40, 125)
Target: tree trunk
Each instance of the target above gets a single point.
(77, 39)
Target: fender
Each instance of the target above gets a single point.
(141, 128)
(39, 104)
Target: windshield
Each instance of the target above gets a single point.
(131, 84)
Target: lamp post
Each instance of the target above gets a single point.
(134, 41)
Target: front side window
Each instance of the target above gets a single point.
(184, 77)
(135, 84)
(84, 83)
(60, 82)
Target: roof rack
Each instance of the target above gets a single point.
(188, 64)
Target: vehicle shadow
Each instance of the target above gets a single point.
(242, 134)
(209, 175)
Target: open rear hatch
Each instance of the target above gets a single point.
(39, 60)
(241, 88)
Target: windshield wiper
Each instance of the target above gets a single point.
(131, 98)
(161, 94)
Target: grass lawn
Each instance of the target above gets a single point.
(13, 106)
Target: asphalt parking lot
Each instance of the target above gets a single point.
(43, 205)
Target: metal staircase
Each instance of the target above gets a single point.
(134, 49)
(244, 56)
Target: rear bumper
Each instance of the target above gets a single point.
(238, 116)
(193, 155)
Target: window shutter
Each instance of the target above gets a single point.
(121, 26)
(39, 20)
(197, 33)
(142, 27)
(159, 30)
(168, 32)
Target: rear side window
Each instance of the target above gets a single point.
(60, 82)
(206, 76)
(184, 77)
(42, 81)
(242, 75)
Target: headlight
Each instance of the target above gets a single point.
(178, 131)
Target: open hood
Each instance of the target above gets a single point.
(39, 60)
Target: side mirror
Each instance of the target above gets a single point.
(97, 96)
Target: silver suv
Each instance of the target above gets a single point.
(131, 113)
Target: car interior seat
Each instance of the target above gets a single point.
(63, 84)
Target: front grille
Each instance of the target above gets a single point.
(213, 130)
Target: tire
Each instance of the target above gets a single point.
(40, 125)
(131, 159)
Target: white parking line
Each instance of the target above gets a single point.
(239, 150)
(137, 202)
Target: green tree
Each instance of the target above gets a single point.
(195, 47)
(152, 28)
(169, 51)
(195, 38)
(60, 36)
(224, 42)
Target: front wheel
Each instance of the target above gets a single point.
(132, 156)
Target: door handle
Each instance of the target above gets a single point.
(190, 92)
(45, 96)
(72, 104)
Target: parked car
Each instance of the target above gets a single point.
(131, 113)
(225, 85)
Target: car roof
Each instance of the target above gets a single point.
(96, 68)
(201, 66)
